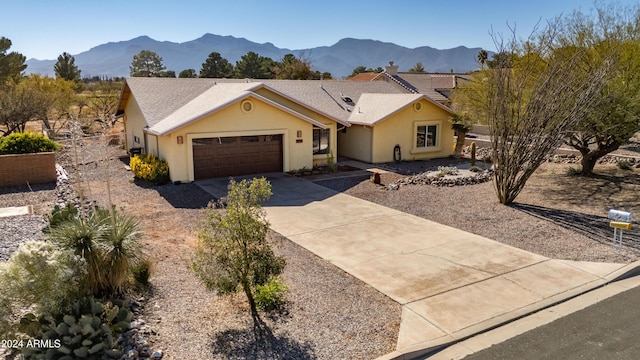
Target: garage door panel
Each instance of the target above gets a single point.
(235, 156)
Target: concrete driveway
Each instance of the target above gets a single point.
(452, 284)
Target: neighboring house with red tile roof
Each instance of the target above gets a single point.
(437, 86)
(227, 127)
(365, 76)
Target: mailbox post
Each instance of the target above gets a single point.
(620, 220)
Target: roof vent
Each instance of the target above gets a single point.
(346, 99)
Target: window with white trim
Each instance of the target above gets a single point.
(427, 136)
(321, 141)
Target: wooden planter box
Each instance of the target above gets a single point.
(20, 169)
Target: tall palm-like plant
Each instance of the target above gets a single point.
(461, 123)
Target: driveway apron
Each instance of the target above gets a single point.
(452, 284)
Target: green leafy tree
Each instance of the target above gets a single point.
(418, 68)
(66, 68)
(147, 63)
(188, 73)
(233, 253)
(34, 98)
(254, 66)
(11, 64)
(358, 70)
(502, 59)
(363, 69)
(317, 75)
(294, 68)
(615, 116)
(216, 67)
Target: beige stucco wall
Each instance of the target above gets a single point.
(376, 144)
(264, 119)
(134, 124)
(355, 143)
(400, 129)
(318, 160)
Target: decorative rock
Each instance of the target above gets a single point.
(428, 178)
(145, 353)
(135, 324)
(157, 354)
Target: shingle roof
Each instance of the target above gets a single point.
(168, 103)
(373, 108)
(423, 85)
(214, 99)
(159, 97)
(327, 96)
(323, 96)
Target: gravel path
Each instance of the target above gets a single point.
(16, 230)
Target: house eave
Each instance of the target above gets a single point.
(248, 94)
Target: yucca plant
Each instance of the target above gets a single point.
(120, 242)
(81, 236)
(110, 244)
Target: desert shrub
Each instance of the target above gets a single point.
(59, 215)
(26, 143)
(108, 241)
(40, 278)
(624, 164)
(142, 273)
(271, 295)
(86, 331)
(150, 168)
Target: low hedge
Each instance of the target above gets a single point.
(150, 168)
(26, 143)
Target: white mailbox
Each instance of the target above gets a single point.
(618, 215)
(620, 220)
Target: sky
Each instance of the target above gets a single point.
(44, 29)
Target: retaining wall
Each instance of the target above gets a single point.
(20, 169)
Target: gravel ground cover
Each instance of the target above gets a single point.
(329, 314)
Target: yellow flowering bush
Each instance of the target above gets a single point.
(150, 168)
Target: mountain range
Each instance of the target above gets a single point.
(114, 58)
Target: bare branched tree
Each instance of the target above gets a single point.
(534, 92)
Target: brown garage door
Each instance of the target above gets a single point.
(237, 155)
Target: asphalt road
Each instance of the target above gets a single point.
(607, 330)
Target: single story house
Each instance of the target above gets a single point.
(208, 128)
(394, 127)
